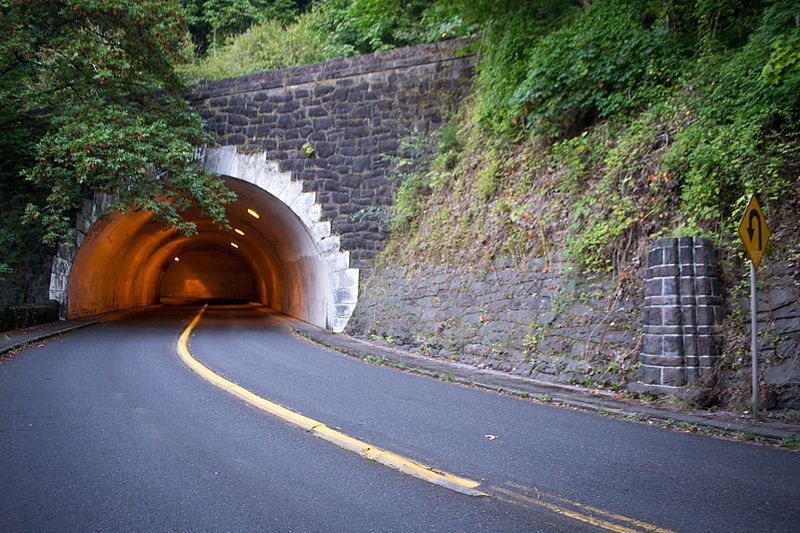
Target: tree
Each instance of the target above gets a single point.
(214, 22)
(88, 90)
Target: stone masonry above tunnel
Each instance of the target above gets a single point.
(334, 124)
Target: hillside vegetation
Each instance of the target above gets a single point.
(596, 124)
(620, 121)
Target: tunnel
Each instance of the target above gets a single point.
(277, 252)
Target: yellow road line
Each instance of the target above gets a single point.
(575, 510)
(597, 522)
(643, 526)
(374, 453)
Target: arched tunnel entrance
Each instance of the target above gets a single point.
(277, 252)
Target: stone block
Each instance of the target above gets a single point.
(662, 360)
(670, 255)
(707, 315)
(689, 346)
(670, 286)
(652, 301)
(671, 315)
(688, 317)
(650, 374)
(655, 257)
(653, 287)
(652, 316)
(705, 253)
(662, 272)
(674, 377)
(671, 344)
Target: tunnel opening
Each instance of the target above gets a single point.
(207, 275)
(276, 252)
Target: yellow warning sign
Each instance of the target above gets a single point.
(754, 231)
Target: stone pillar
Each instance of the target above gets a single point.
(682, 312)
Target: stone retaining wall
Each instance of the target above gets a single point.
(24, 299)
(523, 319)
(778, 306)
(536, 320)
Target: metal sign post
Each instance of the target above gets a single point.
(755, 233)
(754, 338)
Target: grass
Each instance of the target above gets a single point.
(636, 417)
(748, 436)
(790, 441)
(379, 361)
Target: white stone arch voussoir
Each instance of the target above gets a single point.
(264, 174)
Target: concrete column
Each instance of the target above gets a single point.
(682, 312)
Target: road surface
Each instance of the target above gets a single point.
(107, 429)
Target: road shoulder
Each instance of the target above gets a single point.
(720, 423)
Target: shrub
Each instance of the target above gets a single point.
(269, 46)
(615, 57)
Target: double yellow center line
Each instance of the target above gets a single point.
(317, 428)
(519, 496)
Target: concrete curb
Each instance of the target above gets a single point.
(594, 400)
(45, 335)
(54, 329)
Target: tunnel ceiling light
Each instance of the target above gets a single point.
(253, 213)
(234, 245)
(237, 230)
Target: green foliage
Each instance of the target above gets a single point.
(569, 155)
(213, 22)
(449, 145)
(653, 118)
(261, 38)
(616, 56)
(487, 176)
(407, 202)
(784, 59)
(418, 171)
(790, 441)
(16, 153)
(268, 46)
(96, 106)
(510, 32)
(375, 25)
(744, 136)
(683, 109)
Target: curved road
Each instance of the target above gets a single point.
(107, 429)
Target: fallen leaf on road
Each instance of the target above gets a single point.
(490, 437)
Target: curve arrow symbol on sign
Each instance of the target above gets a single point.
(750, 230)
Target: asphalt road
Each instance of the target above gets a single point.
(106, 429)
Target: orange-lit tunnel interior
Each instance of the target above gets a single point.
(268, 255)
